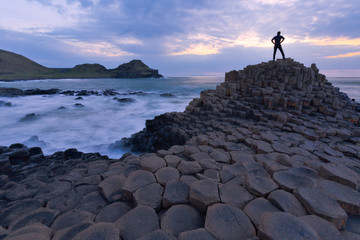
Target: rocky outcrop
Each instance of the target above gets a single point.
(283, 94)
(272, 172)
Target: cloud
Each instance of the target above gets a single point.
(352, 54)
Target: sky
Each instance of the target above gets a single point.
(184, 37)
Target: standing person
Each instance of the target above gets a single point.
(277, 40)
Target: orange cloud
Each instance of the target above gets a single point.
(352, 54)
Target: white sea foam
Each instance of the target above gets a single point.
(101, 121)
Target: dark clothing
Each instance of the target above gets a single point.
(278, 39)
(280, 48)
(277, 45)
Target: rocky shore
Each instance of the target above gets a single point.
(272, 153)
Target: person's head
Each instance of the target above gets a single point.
(278, 33)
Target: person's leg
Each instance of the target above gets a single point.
(274, 52)
(282, 52)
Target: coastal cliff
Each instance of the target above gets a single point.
(272, 153)
(16, 67)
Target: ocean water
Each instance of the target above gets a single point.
(59, 124)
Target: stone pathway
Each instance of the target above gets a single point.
(272, 153)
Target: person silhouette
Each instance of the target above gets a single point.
(277, 40)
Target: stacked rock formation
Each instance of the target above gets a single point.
(263, 157)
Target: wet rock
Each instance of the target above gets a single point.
(149, 195)
(287, 202)
(219, 216)
(19, 156)
(181, 218)
(103, 231)
(257, 207)
(26, 190)
(72, 218)
(5, 166)
(203, 193)
(137, 223)
(279, 225)
(113, 212)
(325, 229)
(73, 153)
(176, 192)
(317, 201)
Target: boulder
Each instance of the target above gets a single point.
(341, 174)
(92, 202)
(224, 221)
(152, 163)
(65, 202)
(289, 181)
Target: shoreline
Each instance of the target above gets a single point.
(275, 142)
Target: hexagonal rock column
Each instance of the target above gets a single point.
(260, 186)
(152, 163)
(203, 193)
(234, 194)
(104, 231)
(257, 207)
(325, 229)
(136, 180)
(280, 225)
(176, 192)
(228, 222)
(137, 223)
(196, 234)
(317, 201)
(149, 195)
(341, 174)
(348, 198)
(287, 202)
(289, 181)
(181, 218)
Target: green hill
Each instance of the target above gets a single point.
(16, 67)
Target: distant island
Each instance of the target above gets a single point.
(17, 67)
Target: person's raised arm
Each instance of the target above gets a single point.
(273, 40)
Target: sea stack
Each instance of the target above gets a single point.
(272, 153)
